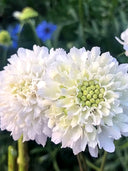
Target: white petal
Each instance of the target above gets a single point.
(123, 127)
(57, 136)
(93, 151)
(41, 139)
(113, 132)
(50, 91)
(121, 42)
(65, 102)
(95, 52)
(106, 143)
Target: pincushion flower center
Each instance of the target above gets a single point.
(47, 30)
(23, 89)
(90, 93)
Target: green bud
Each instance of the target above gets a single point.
(92, 87)
(100, 95)
(91, 92)
(91, 82)
(79, 87)
(88, 103)
(83, 88)
(102, 100)
(86, 83)
(79, 94)
(88, 96)
(97, 101)
(97, 86)
(26, 14)
(83, 98)
(85, 92)
(94, 105)
(92, 100)
(102, 90)
(96, 91)
(89, 89)
(95, 96)
(5, 38)
(83, 104)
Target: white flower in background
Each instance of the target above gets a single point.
(124, 37)
(89, 99)
(21, 109)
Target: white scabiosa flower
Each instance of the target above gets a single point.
(124, 37)
(89, 100)
(21, 109)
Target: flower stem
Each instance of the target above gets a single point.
(103, 161)
(121, 54)
(55, 165)
(4, 56)
(11, 158)
(91, 165)
(81, 21)
(37, 41)
(48, 43)
(81, 162)
(22, 155)
(53, 156)
(81, 12)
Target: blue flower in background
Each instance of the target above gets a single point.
(14, 34)
(44, 30)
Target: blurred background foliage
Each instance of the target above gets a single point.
(78, 23)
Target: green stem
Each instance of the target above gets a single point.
(103, 161)
(91, 165)
(37, 41)
(81, 20)
(121, 54)
(4, 56)
(55, 165)
(121, 158)
(12, 154)
(22, 155)
(53, 155)
(19, 34)
(81, 162)
(48, 44)
(81, 12)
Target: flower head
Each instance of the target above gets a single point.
(26, 14)
(21, 108)
(5, 39)
(14, 34)
(124, 37)
(45, 30)
(88, 94)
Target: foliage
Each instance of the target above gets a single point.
(79, 23)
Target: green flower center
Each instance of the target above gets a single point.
(90, 93)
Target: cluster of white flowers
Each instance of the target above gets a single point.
(78, 98)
